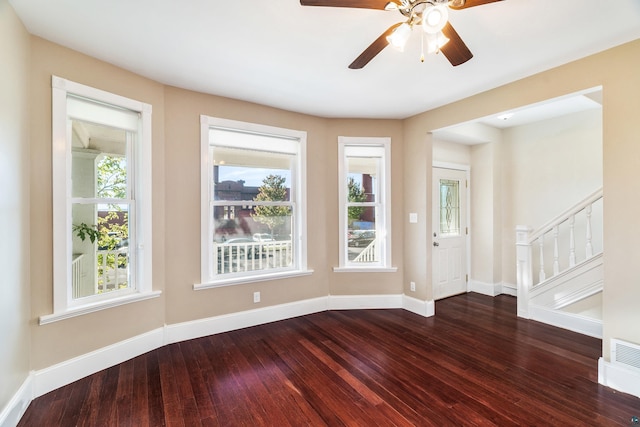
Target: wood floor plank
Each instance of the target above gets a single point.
(474, 363)
(193, 359)
(124, 395)
(155, 406)
(140, 393)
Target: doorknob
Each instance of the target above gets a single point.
(436, 244)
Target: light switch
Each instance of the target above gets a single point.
(413, 217)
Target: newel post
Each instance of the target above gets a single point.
(524, 275)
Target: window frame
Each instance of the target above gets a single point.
(382, 204)
(208, 279)
(64, 306)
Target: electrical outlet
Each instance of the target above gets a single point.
(256, 297)
(413, 286)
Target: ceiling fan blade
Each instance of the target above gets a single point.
(471, 3)
(363, 4)
(373, 49)
(455, 50)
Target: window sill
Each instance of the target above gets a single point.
(251, 279)
(367, 269)
(97, 306)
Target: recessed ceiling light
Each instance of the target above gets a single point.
(505, 116)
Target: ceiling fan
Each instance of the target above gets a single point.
(432, 15)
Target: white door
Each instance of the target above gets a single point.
(449, 232)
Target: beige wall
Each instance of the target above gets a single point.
(451, 152)
(486, 212)
(418, 152)
(14, 204)
(615, 70)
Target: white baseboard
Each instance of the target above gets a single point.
(61, 374)
(509, 289)
(492, 289)
(48, 379)
(565, 320)
(244, 319)
(229, 322)
(362, 302)
(417, 306)
(619, 377)
(14, 410)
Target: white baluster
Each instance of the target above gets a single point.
(542, 275)
(589, 246)
(572, 241)
(524, 269)
(556, 261)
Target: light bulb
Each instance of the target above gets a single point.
(435, 42)
(400, 36)
(434, 18)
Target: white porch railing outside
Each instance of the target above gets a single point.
(112, 269)
(77, 275)
(368, 254)
(553, 248)
(252, 256)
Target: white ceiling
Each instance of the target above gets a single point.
(282, 54)
(479, 131)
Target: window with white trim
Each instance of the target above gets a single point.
(253, 203)
(365, 211)
(101, 154)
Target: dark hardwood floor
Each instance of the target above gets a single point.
(474, 363)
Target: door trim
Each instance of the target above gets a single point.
(467, 170)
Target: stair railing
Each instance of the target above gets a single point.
(560, 232)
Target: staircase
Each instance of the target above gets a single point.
(560, 269)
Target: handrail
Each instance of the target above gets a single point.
(559, 219)
(525, 239)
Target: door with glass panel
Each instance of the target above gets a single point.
(449, 232)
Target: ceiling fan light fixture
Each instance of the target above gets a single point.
(434, 18)
(436, 41)
(399, 37)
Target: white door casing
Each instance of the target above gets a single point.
(449, 232)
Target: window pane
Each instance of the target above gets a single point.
(364, 186)
(252, 238)
(253, 172)
(449, 208)
(242, 174)
(100, 261)
(362, 173)
(361, 235)
(99, 165)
